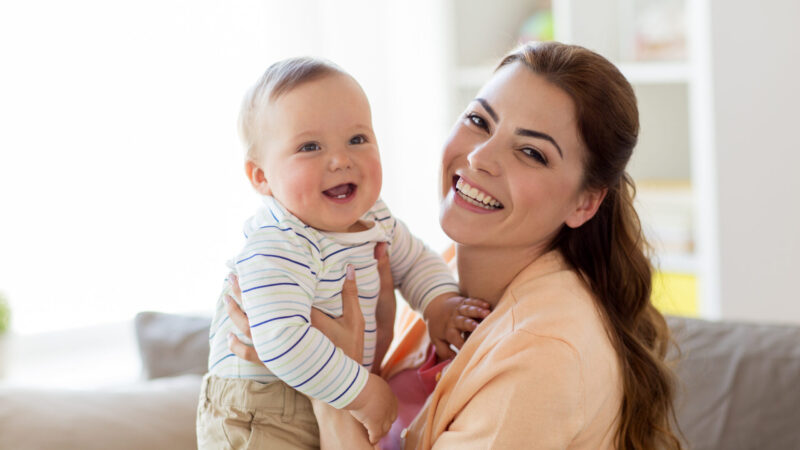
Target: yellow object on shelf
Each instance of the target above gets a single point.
(675, 294)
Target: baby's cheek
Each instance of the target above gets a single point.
(377, 175)
(300, 188)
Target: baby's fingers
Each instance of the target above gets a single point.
(464, 323)
(454, 337)
(474, 308)
(443, 349)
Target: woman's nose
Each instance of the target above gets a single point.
(484, 158)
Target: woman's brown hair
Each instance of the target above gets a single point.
(610, 249)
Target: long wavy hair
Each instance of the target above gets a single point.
(610, 250)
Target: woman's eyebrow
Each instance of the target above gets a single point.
(488, 108)
(540, 135)
(520, 131)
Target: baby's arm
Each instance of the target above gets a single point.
(420, 273)
(427, 283)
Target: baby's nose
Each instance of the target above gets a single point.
(340, 159)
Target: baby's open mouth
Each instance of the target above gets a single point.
(474, 196)
(341, 191)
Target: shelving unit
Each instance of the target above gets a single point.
(671, 112)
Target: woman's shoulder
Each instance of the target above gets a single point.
(557, 303)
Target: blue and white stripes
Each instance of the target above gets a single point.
(286, 267)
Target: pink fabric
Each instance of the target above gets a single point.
(412, 388)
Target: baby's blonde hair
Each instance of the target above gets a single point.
(280, 78)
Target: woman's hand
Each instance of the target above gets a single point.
(346, 332)
(239, 319)
(375, 407)
(386, 309)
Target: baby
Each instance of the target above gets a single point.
(312, 154)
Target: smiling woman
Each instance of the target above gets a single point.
(535, 185)
(572, 353)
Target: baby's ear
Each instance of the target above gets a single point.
(257, 177)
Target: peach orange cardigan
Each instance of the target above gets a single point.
(539, 372)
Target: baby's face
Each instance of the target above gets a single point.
(319, 153)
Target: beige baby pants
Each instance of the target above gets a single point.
(243, 414)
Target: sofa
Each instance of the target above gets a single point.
(739, 389)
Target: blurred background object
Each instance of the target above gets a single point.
(5, 328)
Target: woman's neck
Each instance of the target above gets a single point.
(486, 272)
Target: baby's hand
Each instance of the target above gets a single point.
(375, 407)
(450, 319)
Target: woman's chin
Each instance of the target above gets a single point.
(462, 231)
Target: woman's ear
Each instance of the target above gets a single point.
(257, 177)
(588, 204)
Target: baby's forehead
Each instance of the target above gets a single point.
(320, 108)
(331, 78)
(337, 93)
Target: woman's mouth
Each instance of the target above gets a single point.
(341, 192)
(475, 196)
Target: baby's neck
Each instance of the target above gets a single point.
(360, 225)
(486, 272)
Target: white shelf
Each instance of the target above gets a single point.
(655, 72)
(674, 113)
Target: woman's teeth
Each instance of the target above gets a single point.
(475, 197)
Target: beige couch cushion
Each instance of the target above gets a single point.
(157, 414)
(740, 385)
(172, 344)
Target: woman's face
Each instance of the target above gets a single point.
(513, 164)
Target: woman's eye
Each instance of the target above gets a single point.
(309, 147)
(359, 139)
(535, 154)
(477, 121)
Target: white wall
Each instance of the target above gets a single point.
(756, 107)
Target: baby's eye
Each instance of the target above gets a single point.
(309, 147)
(358, 139)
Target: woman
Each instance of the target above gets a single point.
(572, 354)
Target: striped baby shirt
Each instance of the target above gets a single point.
(287, 267)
